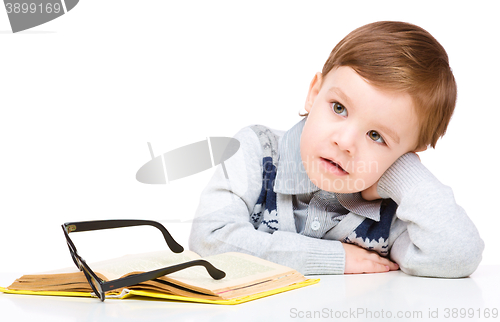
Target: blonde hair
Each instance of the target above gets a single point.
(399, 56)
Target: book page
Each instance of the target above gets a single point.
(116, 268)
(240, 269)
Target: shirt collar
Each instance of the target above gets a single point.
(291, 176)
(292, 179)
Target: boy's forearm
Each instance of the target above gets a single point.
(307, 255)
(228, 229)
(440, 240)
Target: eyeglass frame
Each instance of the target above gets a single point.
(101, 287)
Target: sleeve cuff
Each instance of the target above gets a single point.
(321, 262)
(402, 176)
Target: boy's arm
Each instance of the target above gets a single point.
(439, 240)
(222, 222)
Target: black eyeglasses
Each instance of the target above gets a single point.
(98, 285)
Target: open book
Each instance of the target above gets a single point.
(247, 278)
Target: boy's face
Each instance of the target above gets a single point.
(354, 131)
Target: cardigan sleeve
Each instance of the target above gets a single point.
(222, 222)
(440, 240)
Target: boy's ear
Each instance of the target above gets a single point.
(314, 88)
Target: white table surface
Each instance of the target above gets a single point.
(377, 297)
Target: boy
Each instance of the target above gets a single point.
(343, 191)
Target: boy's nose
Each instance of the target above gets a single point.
(346, 141)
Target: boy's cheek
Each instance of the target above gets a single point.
(370, 171)
(368, 181)
(374, 170)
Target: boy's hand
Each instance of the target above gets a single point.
(359, 260)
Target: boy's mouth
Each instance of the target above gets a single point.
(338, 166)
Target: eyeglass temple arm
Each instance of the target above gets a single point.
(118, 223)
(136, 279)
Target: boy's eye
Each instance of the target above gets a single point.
(375, 136)
(339, 109)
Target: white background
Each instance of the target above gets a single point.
(82, 95)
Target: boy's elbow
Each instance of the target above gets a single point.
(462, 257)
(460, 260)
(210, 237)
(196, 243)
(201, 239)
(457, 265)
